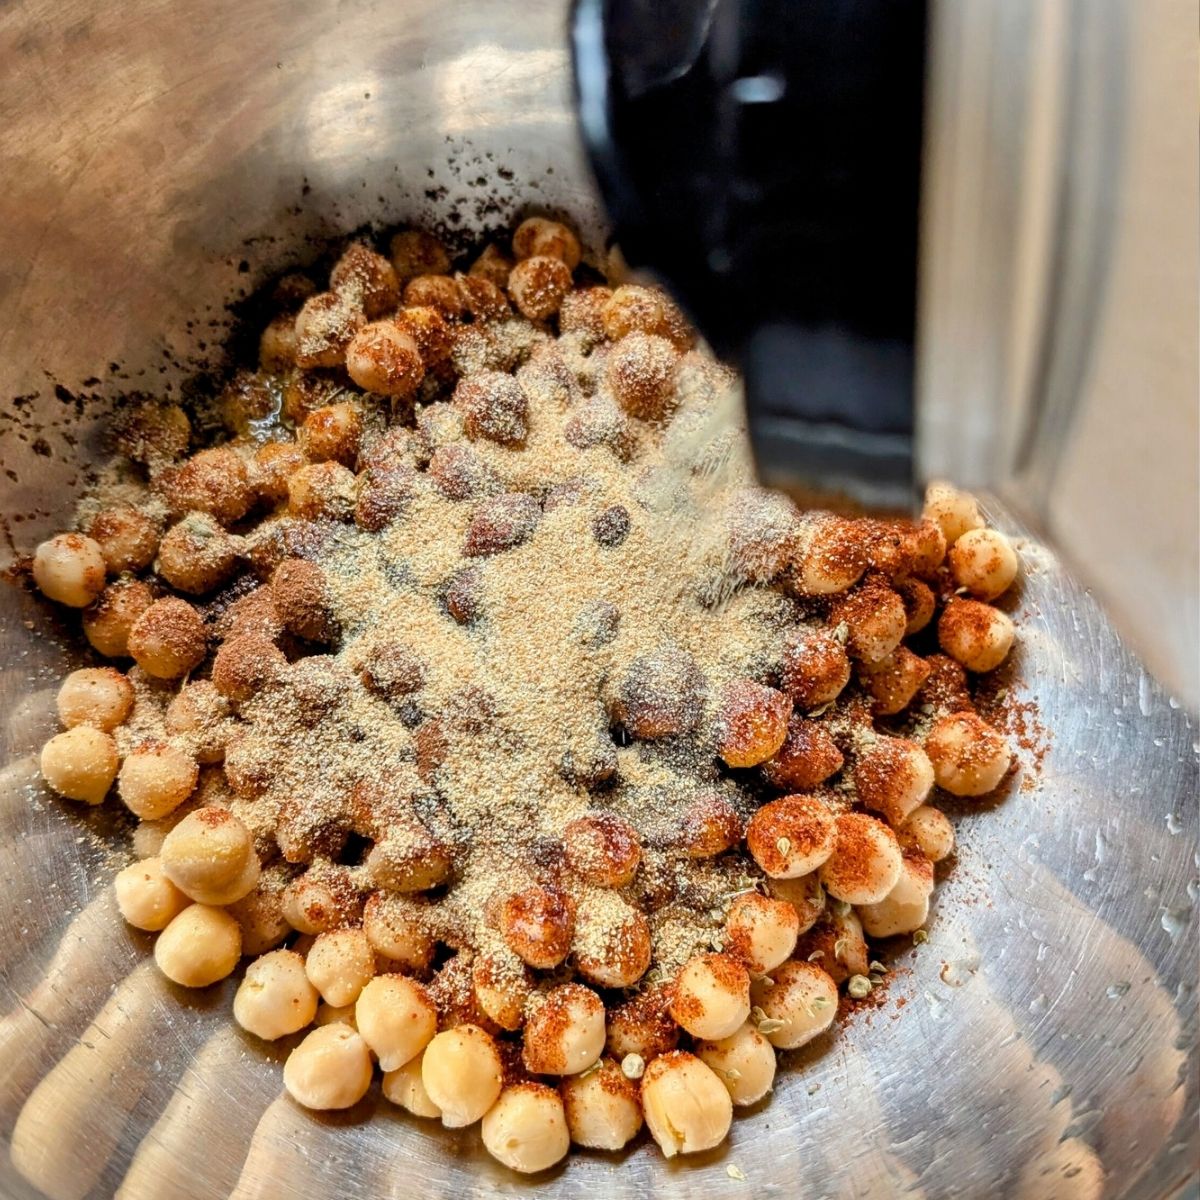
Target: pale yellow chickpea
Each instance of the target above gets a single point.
(762, 932)
(798, 1001)
(462, 1074)
(332, 1014)
(805, 895)
(330, 1069)
(984, 562)
(199, 946)
(393, 925)
(396, 1018)
(108, 622)
(210, 857)
(69, 569)
(687, 1106)
(791, 836)
(969, 757)
(565, 1035)
(148, 836)
(712, 996)
(526, 1128)
(405, 1087)
(865, 862)
(975, 634)
(97, 696)
(128, 539)
(539, 235)
(906, 907)
(156, 779)
(744, 1062)
(953, 511)
(502, 986)
(893, 776)
(340, 964)
(275, 997)
(146, 898)
(928, 830)
(602, 1107)
(80, 763)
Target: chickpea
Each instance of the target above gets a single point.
(927, 830)
(107, 623)
(199, 946)
(582, 312)
(394, 927)
(526, 1129)
(301, 598)
(538, 925)
(69, 569)
(612, 942)
(405, 1087)
(417, 253)
(214, 481)
(751, 723)
(210, 857)
(712, 996)
(975, 634)
(154, 433)
(640, 372)
(503, 985)
(744, 1062)
(332, 433)
(260, 912)
(919, 604)
(643, 1026)
(709, 826)
(798, 1001)
(805, 895)
(602, 849)
(332, 1014)
(969, 757)
(807, 757)
(383, 358)
(537, 286)
(791, 836)
(197, 555)
(494, 407)
(631, 309)
(599, 421)
(814, 668)
(169, 639)
(322, 491)
(275, 997)
(906, 907)
(661, 695)
(875, 618)
(865, 862)
(687, 1106)
(433, 334)
(408, 858)
(893, 681)
(396, 1018)
(245, 665)
(833, 556)
(482, 299)
(565, 1035)
(325, 327)
(435, 291)
(146, 897)
(602, 1107)
(340, 964)
(156, 779)
(278, 344)
(760, 931)
(763, 529)
(954, 512)
(128, 539)
(330, 1069)
(541, 236)
(893, 776)
(97, 696)
(321, 900)
(462, 1074)
(493, 265)
(367, 278)
(274, 463)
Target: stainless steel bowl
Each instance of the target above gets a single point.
(159, 158)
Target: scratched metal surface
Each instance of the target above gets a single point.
(1047, 1041)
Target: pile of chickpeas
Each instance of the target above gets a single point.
(540, 1069)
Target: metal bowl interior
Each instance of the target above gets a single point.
(1041, 1043)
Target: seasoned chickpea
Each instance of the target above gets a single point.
(875, 619)
(493, 265)
(107, 623)
(953, 511)
(169, 639)
(433, 334)
(70, 569)
(865, 862)
(332, 433)
(565, 1035)
(154, 433)
(836, 942)
(687, 1106)
(805, 895)
(273, 464)
(197, 555)
(537, 286)
(246, 664)
(799, 1002)
(434, 291)
(301, 598)
(894, 680)
(919, 603)
(969, 757)
(482, 299)
(408, 858)
(275, 997)
(156, 779)
(751, 723)
(330, 1069)
(708, 826)
(405, 1087)
(632, 308)
(712, 996)
(200, 716)
(640, 371)
(383, 358)
(394, 927)
(526, 1128)
(744, 1062)
(541, 236)
(602, 849)
(975, 634)
(807, 757)
(367, 278)
(502, 985)
(928, 830)
(538, 925)
(643, 1026)
(984, 562)
(128, 539)
(319, 901)
(906, 906)
(833, 557)
(762, 932)
(462, 1072)
(325, 327)
(417, 253)
(199, 946)
(893, 776)
(602, 1107)
(98, 696)
(210, 857)
(260, 912)
(791, 836)
(146, 897)
(340, 964)
(582, 312)
(612, 942)
(661, 695)
(214, 481)
(814, 669)
(322, 490)
(278, 344)
(395, 1016)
